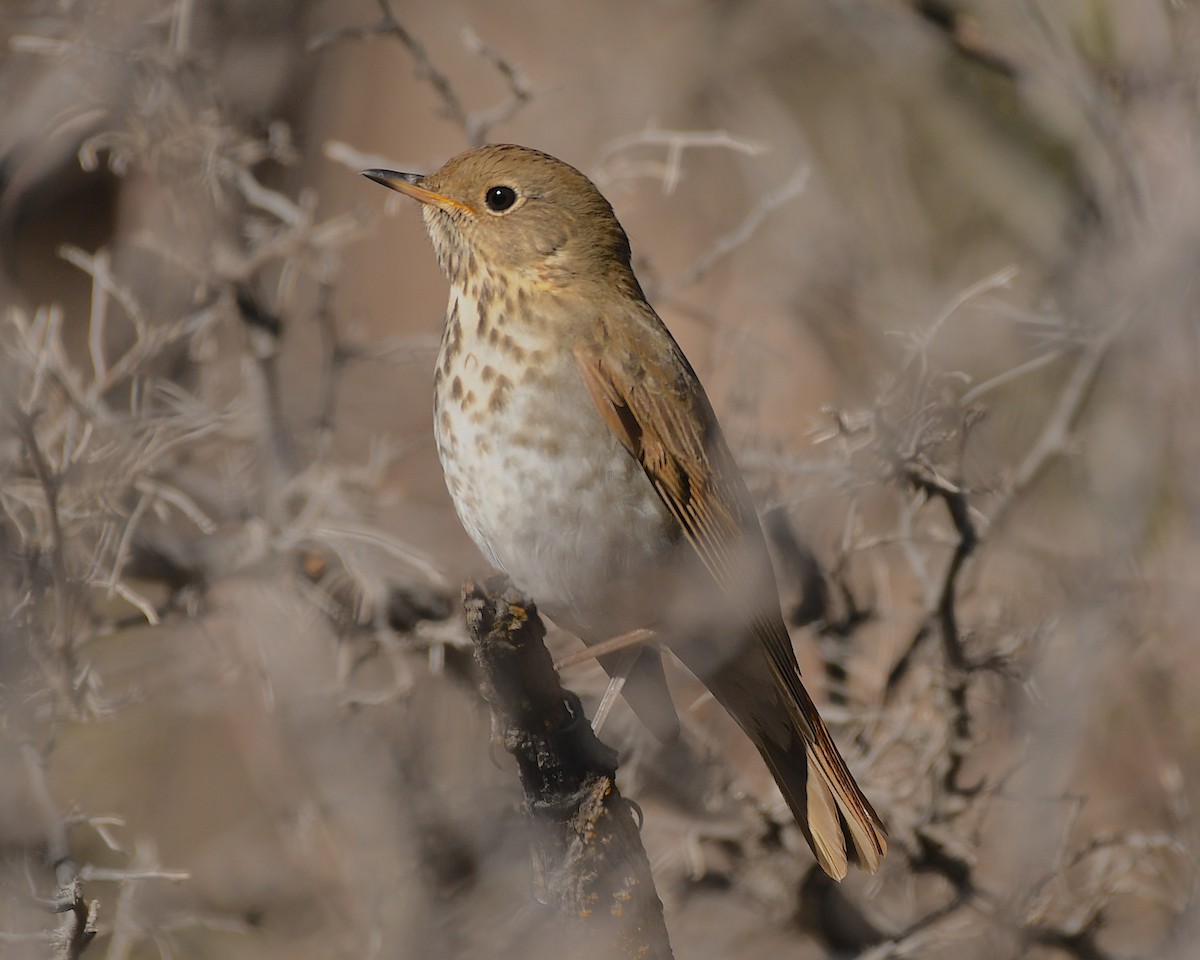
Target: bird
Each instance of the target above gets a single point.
(585, 461)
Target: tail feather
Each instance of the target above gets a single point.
(836, 819)
(760, 685)
(838, 822)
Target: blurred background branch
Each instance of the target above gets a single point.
(935, 263)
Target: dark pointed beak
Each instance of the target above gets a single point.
(409, 185)
(390, 178)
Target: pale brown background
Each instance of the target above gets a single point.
(325, 782)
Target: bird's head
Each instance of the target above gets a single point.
(513, 209)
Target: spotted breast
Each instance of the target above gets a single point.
(539, 482)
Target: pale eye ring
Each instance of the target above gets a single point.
(499, 198)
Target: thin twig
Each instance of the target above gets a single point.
(670, 171)
(53, 826)
(333, 361)
(736, 238)
(61, 647)
(1055, 435)
(476, 126)
(479, 125)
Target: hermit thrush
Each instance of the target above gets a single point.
(585, 461)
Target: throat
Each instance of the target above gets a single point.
(486, 325)
(484, 363)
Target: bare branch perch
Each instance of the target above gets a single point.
(588, 857)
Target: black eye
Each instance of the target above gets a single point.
(499, 199)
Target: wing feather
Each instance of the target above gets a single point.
(654, 405)
(652, 401)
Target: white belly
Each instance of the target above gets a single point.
(544, 488)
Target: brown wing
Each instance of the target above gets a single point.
(649, 396)
(651, 399)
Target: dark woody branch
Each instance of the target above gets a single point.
(589, 863)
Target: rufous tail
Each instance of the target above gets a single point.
(839, 823)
